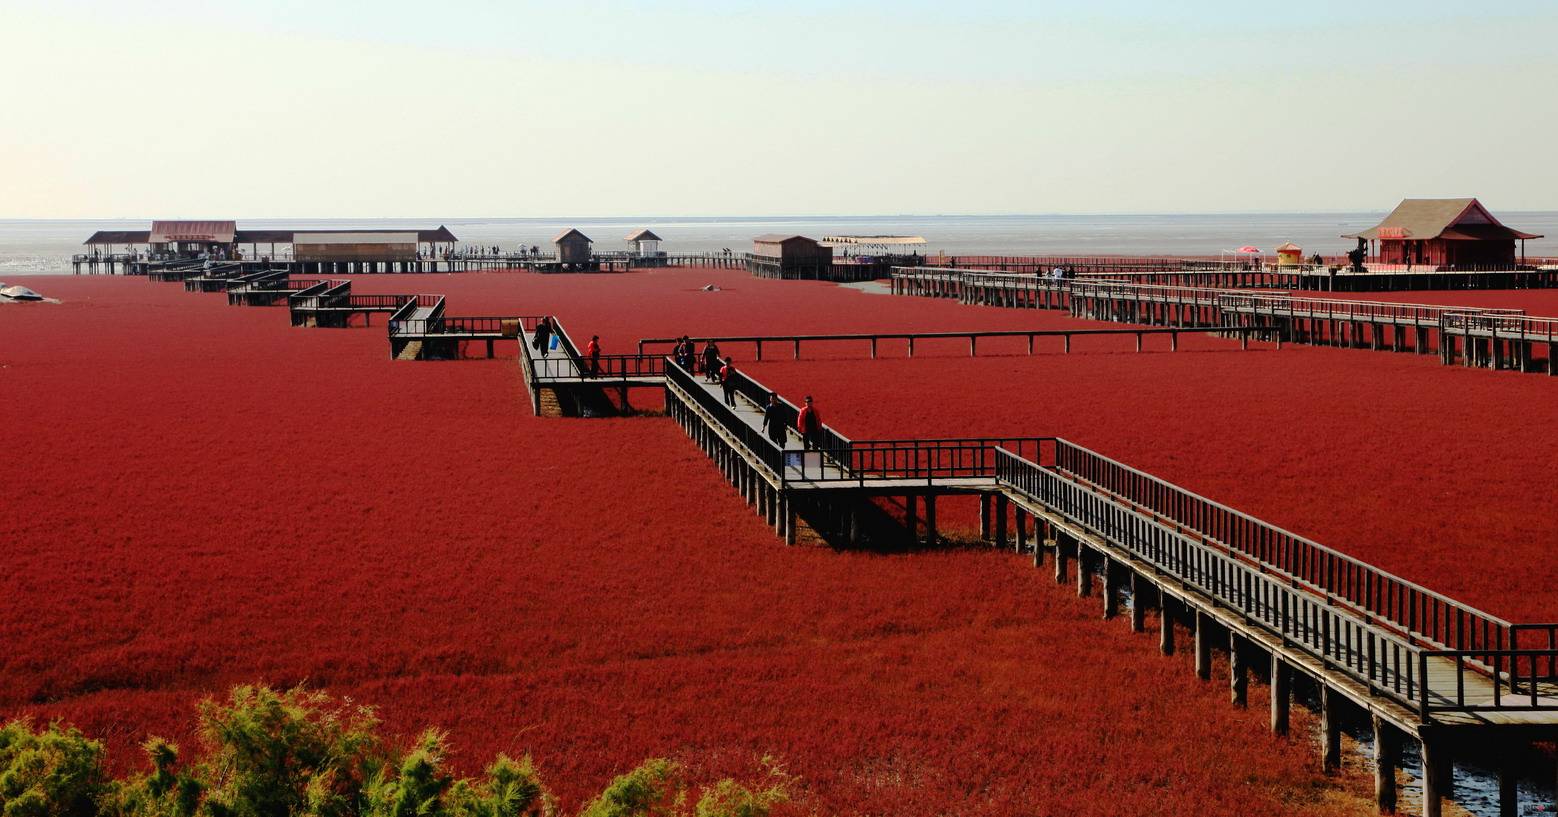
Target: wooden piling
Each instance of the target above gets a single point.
(1385, 762)
(1508, 792)
(1138, 602)
(1203, 642)
(1238, 672)
(1330, 728)
(1281, 695)
(1108, 572)
(1001, 505)
(1165, 624)
(1438, 776)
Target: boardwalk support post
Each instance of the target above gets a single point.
(1001, 503)
(1165, 623)
(1438, 775)
(1385, 763)
(1108, 572)
(1238, 672)
(984, 517)
(1060, 560)
(1508, 794)
(1084, 579)
(1138, 602)
(1281, 697)
(1203, 641)
(1330, 728)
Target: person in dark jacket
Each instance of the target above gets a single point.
(727, 381)
(773, 421)
(683, 353)
(711, 361)
(543, 341)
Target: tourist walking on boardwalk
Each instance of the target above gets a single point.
(593, 350)
(543, 342)
(682, 353)
(727, 381)
(809, 423)
(773, 420)
(710, 361)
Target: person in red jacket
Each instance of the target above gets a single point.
(727, 381)
(809, 423)
(592, 349)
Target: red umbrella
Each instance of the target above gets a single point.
(1248, 248)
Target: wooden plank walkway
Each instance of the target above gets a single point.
(1235, 578)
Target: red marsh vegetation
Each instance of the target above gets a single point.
(199, 495)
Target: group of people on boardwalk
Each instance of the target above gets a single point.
(722, 370)
(808, 421)
(707, 361)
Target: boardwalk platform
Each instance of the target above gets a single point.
(430, 334)
(563, 382)
(336, 306)
(1469, 335)
(1416, 664)
(1215, 273)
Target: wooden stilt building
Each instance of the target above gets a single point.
(1439, 235)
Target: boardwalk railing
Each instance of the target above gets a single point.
(527, 365)
(317, 296)
(605, 367)
(1418, 612)
(752, 440)
(873, 339)
(1342, 309)
(267, 291)
(1386, 663)
(375, 302)
(1504, 324)
(1520, 682)
(924, 460)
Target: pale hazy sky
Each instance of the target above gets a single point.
(491, 108)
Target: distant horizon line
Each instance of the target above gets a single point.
(750, 217)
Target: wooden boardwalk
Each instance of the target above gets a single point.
(1416, 664)
(1472, 336)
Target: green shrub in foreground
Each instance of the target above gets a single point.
(302, 753)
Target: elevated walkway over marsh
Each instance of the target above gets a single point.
(1469, 335)
(1416, 664)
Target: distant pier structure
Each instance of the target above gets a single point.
(573, 249)
(776, 255)
(1443, 235)
(644, 249)
(796, 256)
(328, 251)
